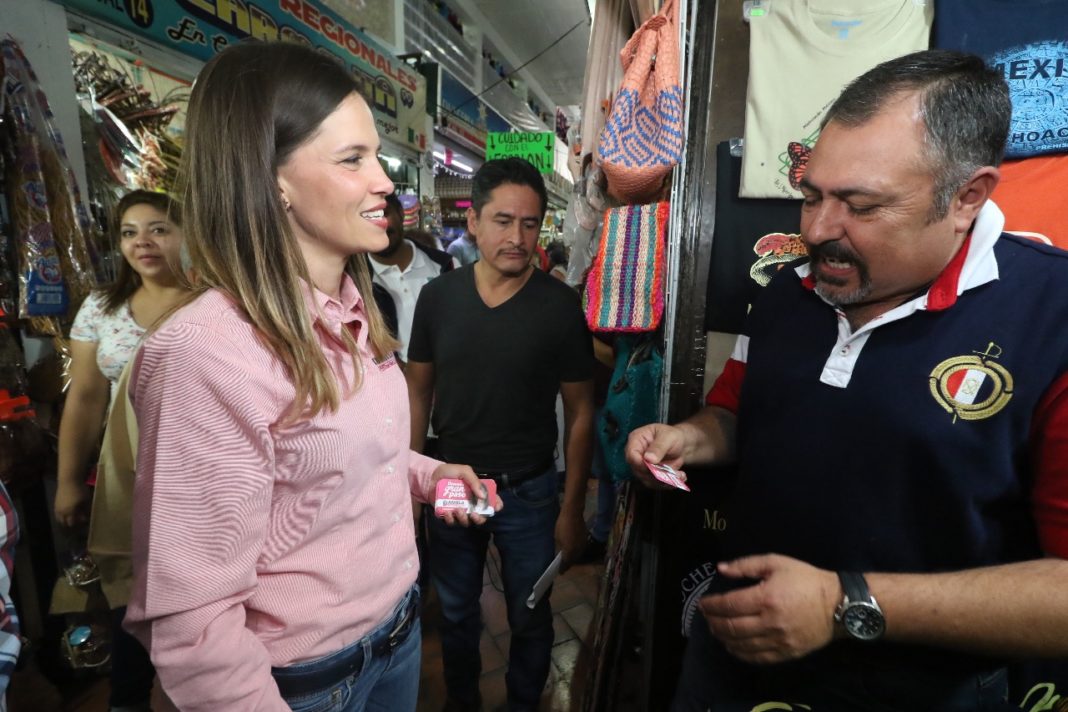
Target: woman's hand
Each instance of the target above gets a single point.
(72, 499)
(465, 473)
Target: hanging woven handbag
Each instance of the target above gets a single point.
(642, 138)
(625, 286)
(633, 398)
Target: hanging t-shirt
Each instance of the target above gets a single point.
(753, 240)
(1033, 197)
(802, 53)
(1027, 40)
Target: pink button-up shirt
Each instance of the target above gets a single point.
(257, 543)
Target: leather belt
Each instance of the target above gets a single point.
(517, 476)
(294, 683)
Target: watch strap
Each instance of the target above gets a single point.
(854, 586)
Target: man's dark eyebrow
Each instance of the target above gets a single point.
(842, 193)
(506, 214)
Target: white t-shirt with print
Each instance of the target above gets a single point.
(802, 53)
(116, 335)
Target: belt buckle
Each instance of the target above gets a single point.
(394, 638)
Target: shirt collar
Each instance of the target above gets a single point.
(330, 313)
(418, 260)
(973, 265)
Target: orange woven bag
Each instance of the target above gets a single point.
(642, 139)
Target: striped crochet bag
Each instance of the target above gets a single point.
(625, 286)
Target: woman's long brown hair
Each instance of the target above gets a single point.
(251, 106)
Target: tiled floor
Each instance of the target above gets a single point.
(574, 600)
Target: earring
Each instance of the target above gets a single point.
(286, 203)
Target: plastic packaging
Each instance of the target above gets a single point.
(52, 225)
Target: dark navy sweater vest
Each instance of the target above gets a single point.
(880, 476)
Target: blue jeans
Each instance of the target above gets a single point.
(389, 682)
(840, 678)
(523, 532)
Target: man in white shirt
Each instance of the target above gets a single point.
(464, 249)
(401, 270)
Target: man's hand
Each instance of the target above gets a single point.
(570, 536)
(788, 614)
(465, 473)
(652, 444)
(72, 499)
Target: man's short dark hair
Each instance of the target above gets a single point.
(499, 171)
(393, 204)
(964, 104)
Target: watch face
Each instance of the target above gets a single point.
(863, 621)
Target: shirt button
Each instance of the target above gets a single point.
(389, 421)
(845, 350)
(396, 517)
(408, 564)
(389, 469)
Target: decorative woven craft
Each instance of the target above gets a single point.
(642, 138)
(625, 286)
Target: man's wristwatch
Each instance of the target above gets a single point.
(858, 612)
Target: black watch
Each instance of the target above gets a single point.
(858, 612)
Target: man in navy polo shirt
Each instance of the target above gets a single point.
(898, 409)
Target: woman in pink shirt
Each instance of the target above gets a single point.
(274, 551)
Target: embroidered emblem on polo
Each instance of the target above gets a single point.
(972, 387)
(693, 586)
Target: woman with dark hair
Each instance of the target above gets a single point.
(106, 333)
(274, 552)
(107, 330)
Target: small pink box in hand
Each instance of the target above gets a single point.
(454, 495)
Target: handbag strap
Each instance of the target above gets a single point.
(654, 45)
(667, 52)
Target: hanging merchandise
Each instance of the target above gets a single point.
(430, 209)
(633, 398)
(625, 287)
(9, 281)
(801, 54)
(52, 227)
(577, 240)
(411, 207)
(612, 26)
(1027, 42)
(753, 240)
(132, 128)
(1032, 196)
(587, 205)
(23, 443)
(642, 138)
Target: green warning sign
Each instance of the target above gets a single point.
(535, 147)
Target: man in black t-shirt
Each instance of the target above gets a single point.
(492, 344)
